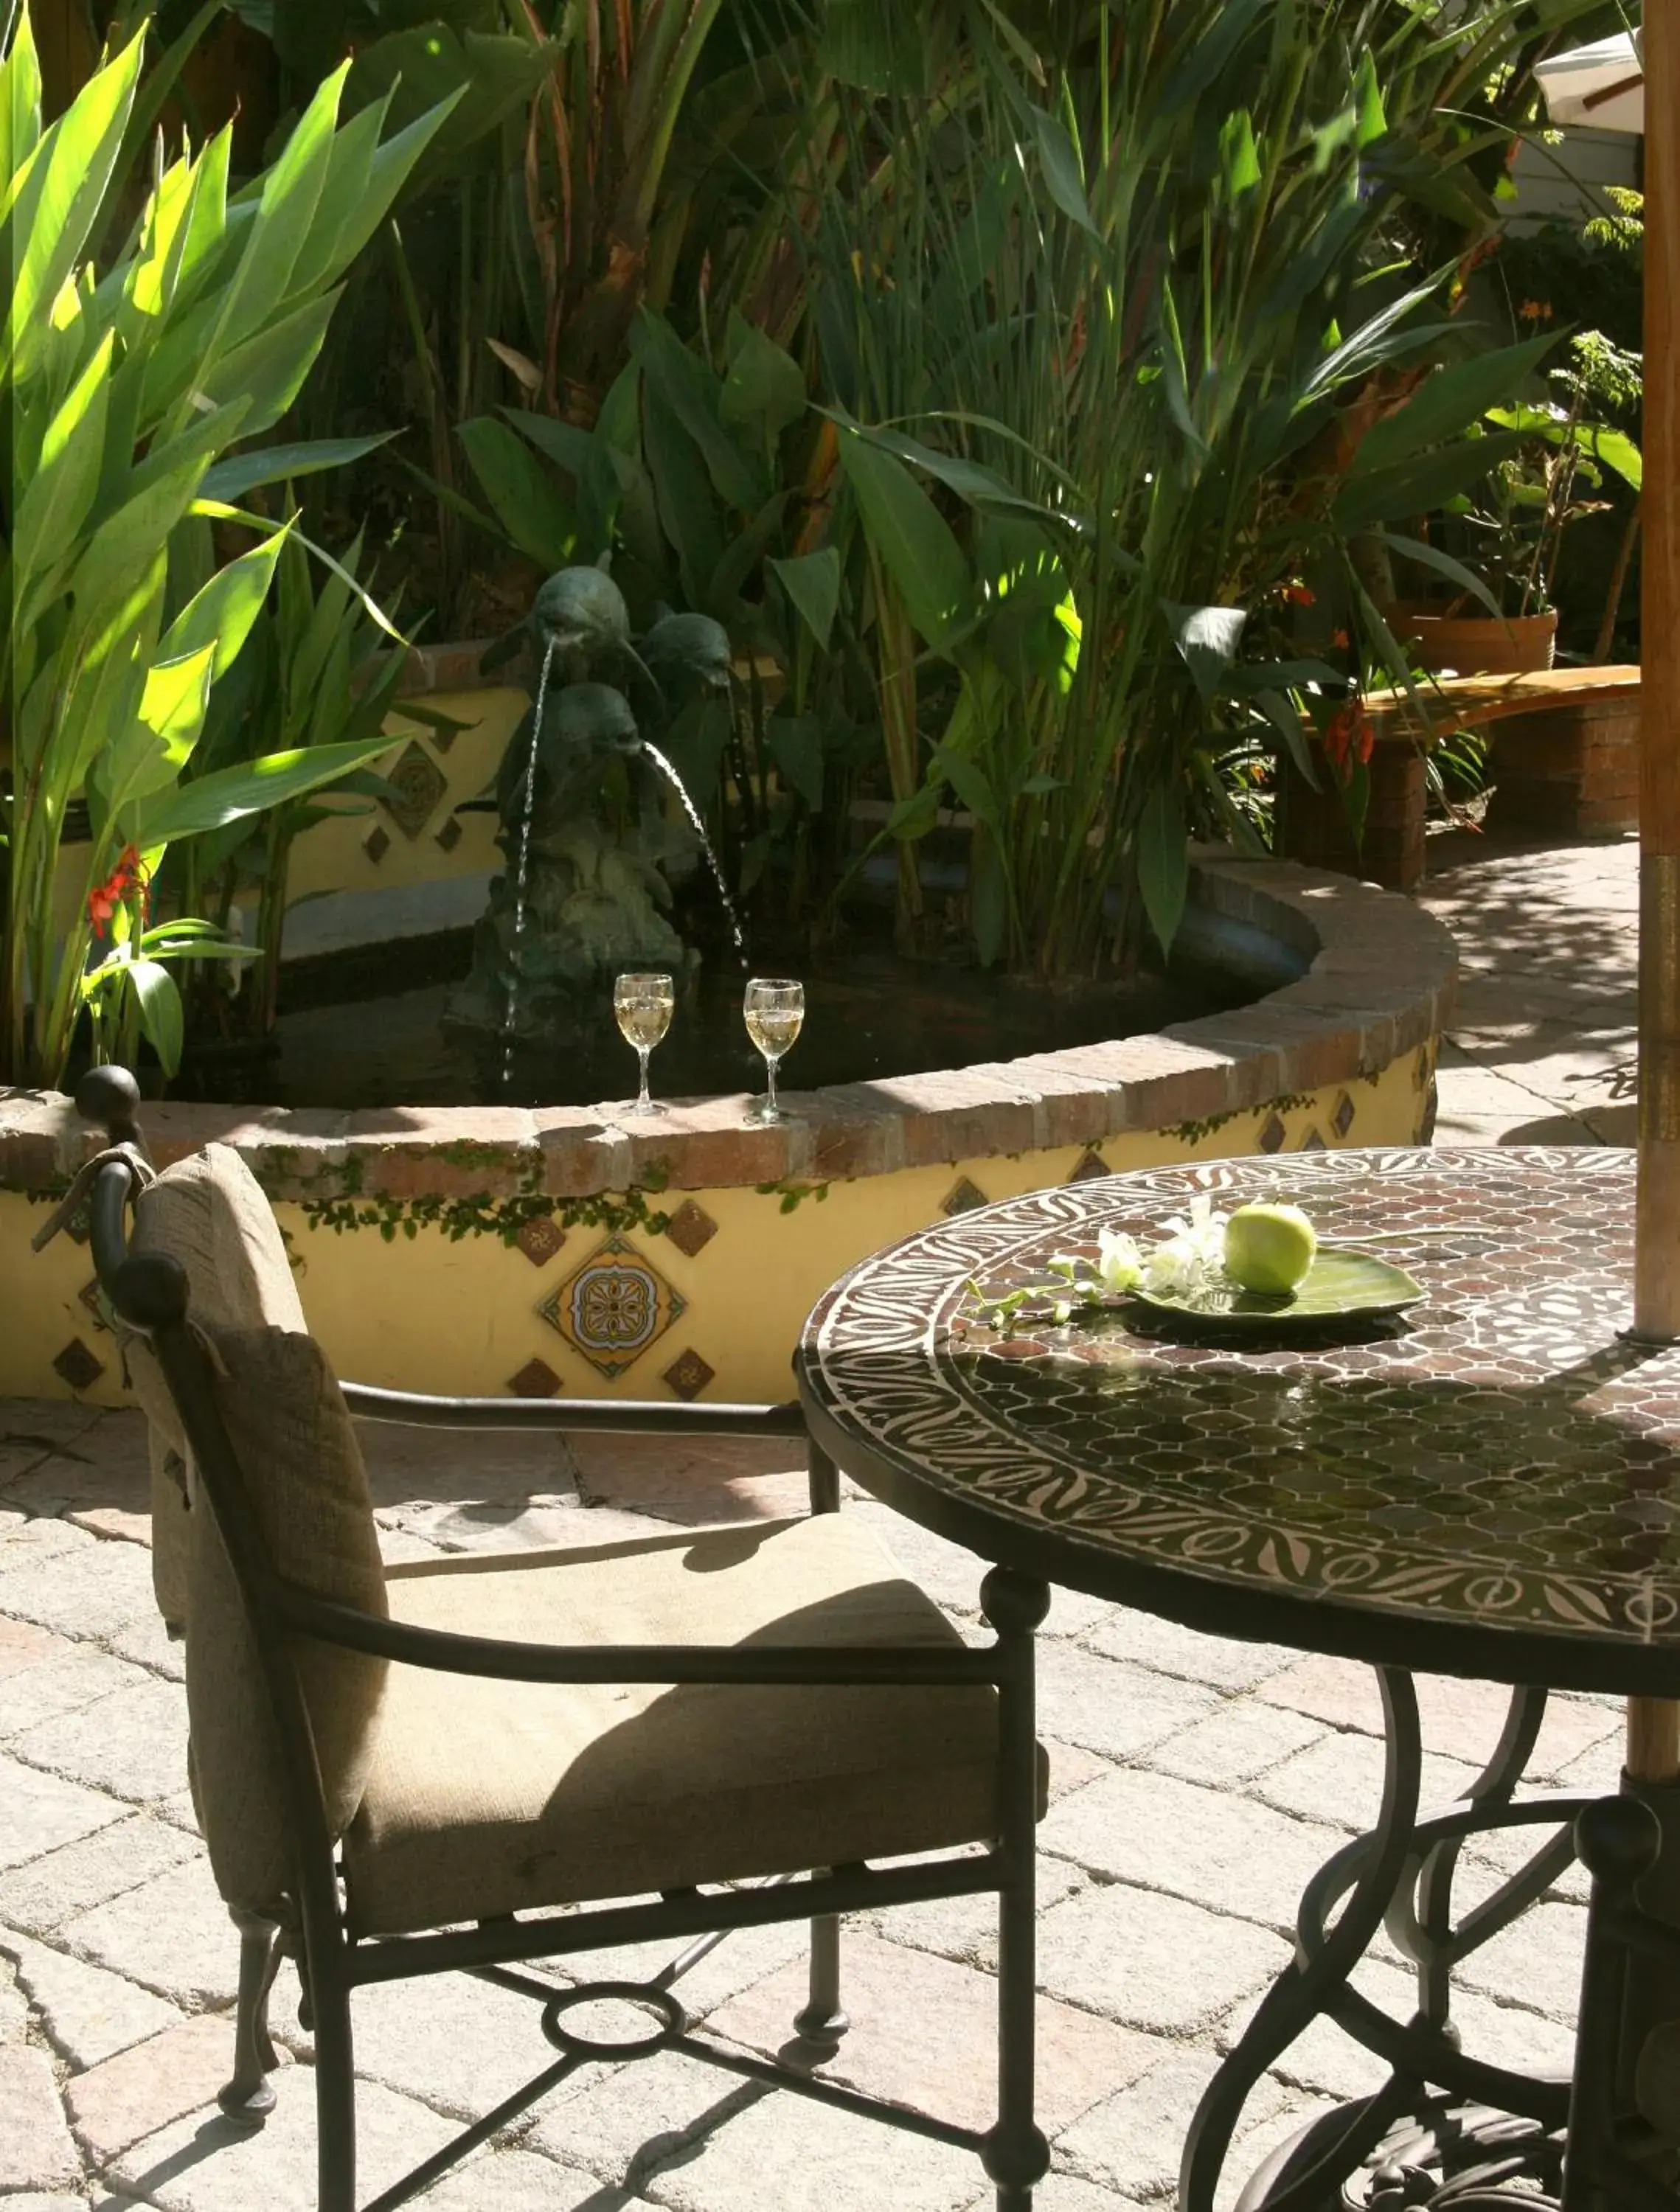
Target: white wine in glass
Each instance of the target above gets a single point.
(643, 1005)
(774, 1008)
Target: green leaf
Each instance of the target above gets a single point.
(267, 465)
(1418, 486)
(1210, 638)
(1163, 863)
(1616, 450)
(690, 390)
(209, 801)
(1058, 162)
(1447, 403)
(796, 746)
(812, 581)
(1368, 96)
(161, 1021)
(1284, 718)
(58, 497)
(685, 496)
(1239, 154)
(564, 442)
(915, 544)
(526, 503)
(1431, 556)
(267, 372)
(764, 388)
(971, 784)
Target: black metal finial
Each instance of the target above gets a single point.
(109, 1096)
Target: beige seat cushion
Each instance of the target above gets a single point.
(209, 1213)
(304, 1480)
(490, 1797)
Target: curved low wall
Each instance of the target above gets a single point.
(490, 1248)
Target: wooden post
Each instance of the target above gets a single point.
(1654, 1726)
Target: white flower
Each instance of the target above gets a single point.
(1118, 1265)
(1193, 1254)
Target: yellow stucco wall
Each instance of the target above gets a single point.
(426, 1314)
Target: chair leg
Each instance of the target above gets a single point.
(334, 2095)
(249, 2097)
(1016, 2154)
(820, 2026)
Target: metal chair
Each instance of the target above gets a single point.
(878, 1680)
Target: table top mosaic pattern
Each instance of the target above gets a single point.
(1499, 1456)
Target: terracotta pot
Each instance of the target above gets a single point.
(1473, 645)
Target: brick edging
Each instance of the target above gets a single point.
(1380, 982)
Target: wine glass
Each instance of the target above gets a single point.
(773, 1009)
(642, 1004)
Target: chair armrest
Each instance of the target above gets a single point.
(445, 1652)
(621, 1416)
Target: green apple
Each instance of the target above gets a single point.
(1269, 1248)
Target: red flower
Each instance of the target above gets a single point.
(1341, 638)
(127, 878)
(1349, 735)
(1300, 595)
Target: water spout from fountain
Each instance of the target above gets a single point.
(692, 811)
(528, 802)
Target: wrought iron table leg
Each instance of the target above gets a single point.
(822, 2023)
(249, 2097)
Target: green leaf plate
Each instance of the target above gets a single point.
(1340, 1284)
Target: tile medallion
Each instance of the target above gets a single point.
(539, 1240)
(613, 1307)
(417, 784)
(691, 1229)
(1343, 1120)
(1272, 1136)
(377, 844)
(688, 1374)
(78, 1366)
(450, 834)
(962, 1198)
(536, 1379)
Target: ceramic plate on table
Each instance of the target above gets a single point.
(1341, 1285)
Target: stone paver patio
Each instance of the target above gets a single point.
(117, 1960)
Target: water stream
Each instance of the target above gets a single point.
(693, 813)
(527, 803)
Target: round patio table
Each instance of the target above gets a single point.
(1486, 1485)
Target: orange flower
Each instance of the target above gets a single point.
(121, 885)
(1340, 638)
(1300, 595)
(1535, 311)
(1349, 735)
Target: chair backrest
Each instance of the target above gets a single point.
(299, 1469)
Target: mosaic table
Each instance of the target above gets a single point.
(1487, 1485)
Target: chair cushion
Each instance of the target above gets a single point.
(489, 1797)
(295, 1443)
(209, 1213)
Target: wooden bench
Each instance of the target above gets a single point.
(1570, 768)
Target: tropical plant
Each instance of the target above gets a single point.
(131, 383)
(1134, 375)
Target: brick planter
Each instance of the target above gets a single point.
(1570, 771)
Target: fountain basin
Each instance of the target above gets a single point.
(564, 1251)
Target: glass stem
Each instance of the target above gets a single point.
(642, 1096)
(769, 1065)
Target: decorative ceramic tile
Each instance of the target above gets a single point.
(613, 1307)
(540, 1240)
(93, 1298)
(79, 1226)
(1312, 1142)
(1091, 1165)
(377, 844)
(1343, 1120)
(536, 1379)
(1272, 1136)
(78, 1366)
(962, 1198)
(688, 1375)
(450, 834)
(418, 784)
(690, 1228)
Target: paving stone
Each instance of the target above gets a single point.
(695, 1480)
(1240, 1740)
(1339, 1779)
(1538, 1962)
(146, 1641)
(924, 2033)
(1152, 1961)
(951, 1575)
(27, 1542)
(964, 1928)
(621, 2123)
(1132, 2143)
(88, 2013)
(33, 2200)
(75, 1676)
(204, 2163)
(133, 1743)
(14, 2005)
(50, 1890)
(1219, 1661)
(408, 1467)
(1066, 2192)
(1105, 1706)
(1226, 1851)
(1260, 2137)
(35, 2148)
(173, 1934)
(30, 1428)
(783, 2154)
(145, 2088)
(90, 1587)
(23, 1646)
(743, 1959)
(43, 1811)
(458, 2045)
(1459, 1719)
(515, 2181)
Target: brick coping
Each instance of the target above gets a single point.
(1378, 981)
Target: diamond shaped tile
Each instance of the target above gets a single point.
(450, 834)
(417, 784)
(93, 1298)
(377, 843)
(1312, 1142)
(1343, 1120)
(539, 1240)
(962, 1197)
(536, 1379)
(1092, 1165)
(613, 1307)
(691, 1229)
(1272, 1136)
(78, 1366)
(688, 1374)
